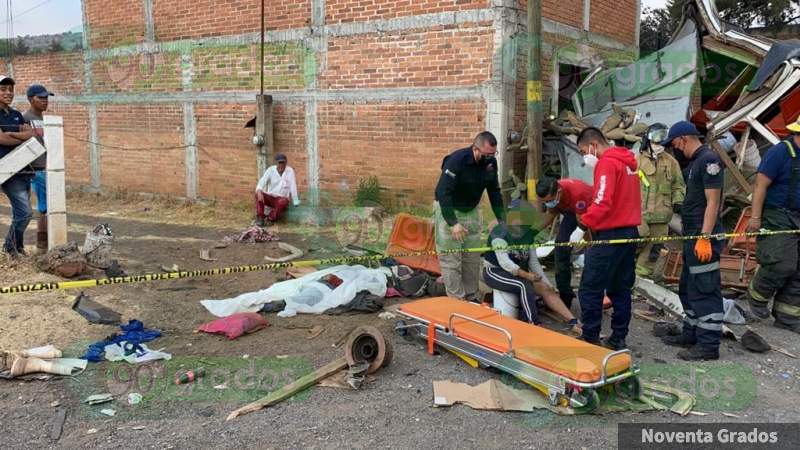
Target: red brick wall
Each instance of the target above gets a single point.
(615, 19)
(337, 11)
(115, 22)
(155, 72)
(185, 19)
(61, 73)
(76, 137)
(226, 158)
(141, 148)
(402, 145)
(436, 57)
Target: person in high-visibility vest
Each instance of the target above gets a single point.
(662, 188)
(776, 206)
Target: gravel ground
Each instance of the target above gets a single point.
(393, 410)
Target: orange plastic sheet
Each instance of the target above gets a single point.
(543, 348)
(413, 234)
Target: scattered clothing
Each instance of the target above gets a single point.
(235, 325)
(133, 333)
(363, 303)
(133, 353)
(253, 235)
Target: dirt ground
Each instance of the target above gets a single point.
(394, 410)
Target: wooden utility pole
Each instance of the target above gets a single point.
(535, 110)
(264, 138)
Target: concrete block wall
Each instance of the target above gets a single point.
(157, 100)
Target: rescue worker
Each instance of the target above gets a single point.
(517, 270)
(700, 291)
(662, 191)
(466, 173)
(570, 198)
(614, 213)
(776, 206)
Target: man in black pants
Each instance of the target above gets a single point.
(615, 213)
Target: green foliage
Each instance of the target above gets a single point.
(368, 192)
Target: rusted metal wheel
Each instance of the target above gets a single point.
(367, 344)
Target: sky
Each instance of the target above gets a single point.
(33, 17)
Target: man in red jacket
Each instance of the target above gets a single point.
(615, 213)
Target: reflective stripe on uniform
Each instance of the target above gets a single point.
(711, 322)
(694, 270)
(790, 310)
(644, 179)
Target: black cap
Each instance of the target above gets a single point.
(280, 157)
(37, 90)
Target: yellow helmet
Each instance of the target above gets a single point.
(794, 127)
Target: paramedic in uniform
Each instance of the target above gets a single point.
(615, 213)
(466, 174)
(570, 198)
(776, 206)
(700, 291)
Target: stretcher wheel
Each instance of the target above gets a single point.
(629, 388)
(367, 344)
(585, 401)
(400, 328)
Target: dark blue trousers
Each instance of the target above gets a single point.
(701, 295)
(609, 269)
(563, 256)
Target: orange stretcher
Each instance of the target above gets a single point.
(569, 371)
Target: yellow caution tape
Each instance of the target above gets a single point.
(81, 284)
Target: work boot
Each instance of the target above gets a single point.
(678, 341)
(759, 306)
(590, 341)
(788, 326)
(615, 344)
(699, 353)
(261, 221)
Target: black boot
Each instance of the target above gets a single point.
(787, 324)
(616, 344)
(699, 353)
(261, 221)
(678, 341)
(590, 341)
(759, 306)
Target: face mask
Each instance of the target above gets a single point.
(551, 204)
(590, 160)
(657, 149)
(484, 159)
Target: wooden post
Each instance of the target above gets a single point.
(264, 129)
(729, 164)
(56, 183)
(534, 96)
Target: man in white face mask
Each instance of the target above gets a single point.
(614, 213)
(662, 190)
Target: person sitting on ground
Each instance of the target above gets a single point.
(276, 189)
(503, 267)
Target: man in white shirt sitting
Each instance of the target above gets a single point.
(276, 188)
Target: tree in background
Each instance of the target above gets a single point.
(21, 48)
(658, 24)
(55, 46)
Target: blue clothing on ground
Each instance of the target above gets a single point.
(133, 333)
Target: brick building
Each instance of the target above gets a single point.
(157, 100)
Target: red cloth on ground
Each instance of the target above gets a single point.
(235, 325)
